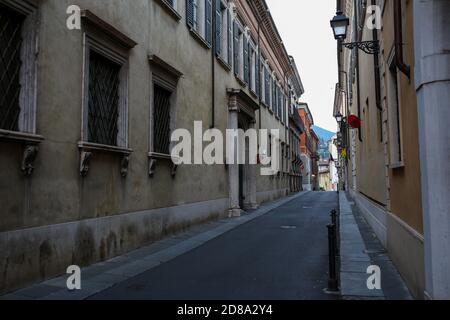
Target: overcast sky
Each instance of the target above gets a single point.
(305, 28)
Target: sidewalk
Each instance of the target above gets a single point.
(360, 249)
(105, 275)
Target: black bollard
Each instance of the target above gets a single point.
(332, 254)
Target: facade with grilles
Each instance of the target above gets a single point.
(86, 117)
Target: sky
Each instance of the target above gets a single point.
(305, 28)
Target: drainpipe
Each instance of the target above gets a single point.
(398, 30)
(213, 66)
(259, 76)
(376, 71)
(432, 83)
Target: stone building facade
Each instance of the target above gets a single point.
(309, 144)
(387, 165)
(85, 165)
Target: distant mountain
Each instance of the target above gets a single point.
(325, 137)
(323, 134)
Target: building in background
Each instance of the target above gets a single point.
(328, 166)
(390, 165)
(308, 148)
(315, 161)
(85, 157)
(296, 129)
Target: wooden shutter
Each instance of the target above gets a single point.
(257, 75)
(190, 13)
(267, 85)
(274, 95)
(218, 27)
(246, 58)
(236, 47)
(208, 21)
(230, 38)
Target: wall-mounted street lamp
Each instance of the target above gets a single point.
(340, 24)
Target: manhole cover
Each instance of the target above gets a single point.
(375, 251)
(288, 227)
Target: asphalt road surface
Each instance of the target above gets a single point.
(282, 255)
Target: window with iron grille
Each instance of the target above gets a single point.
(161, 120)
(10, 66)
(103, 100)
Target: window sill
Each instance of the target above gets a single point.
(154, 157)
(28, 138)
(200, 39)
(241, 82)
(89, 146)
(87, 150)
(224, 64)
(398, 165)
(169, 9)
(253, 93)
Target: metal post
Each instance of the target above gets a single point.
(332, 281)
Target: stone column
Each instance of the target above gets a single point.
(251, 181)
(233, 169)
(432, 77)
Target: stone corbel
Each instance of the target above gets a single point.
(154, 158)
(152, 167)
(29, 156)
(174, 170)
(124, 163)
(85, 158)
(87, 151)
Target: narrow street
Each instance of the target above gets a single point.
(280, 255)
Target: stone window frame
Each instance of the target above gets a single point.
(167, 77)
(27, 133)
(395, 132)
(171, 8)
(253, 59)
(106, 40)
(225, 57)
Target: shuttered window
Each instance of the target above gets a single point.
(161, 120)
(230, 37)
(218, 27)
(257, 74)
(246, 60)
(236, 61)
(103, 100)
(191, 6)
(274, 95)
(10, 65)
(267, 86)
(208, 21)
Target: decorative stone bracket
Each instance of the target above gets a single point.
(29, 156)
(31, 148)
(87, 151)
(153, 160)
